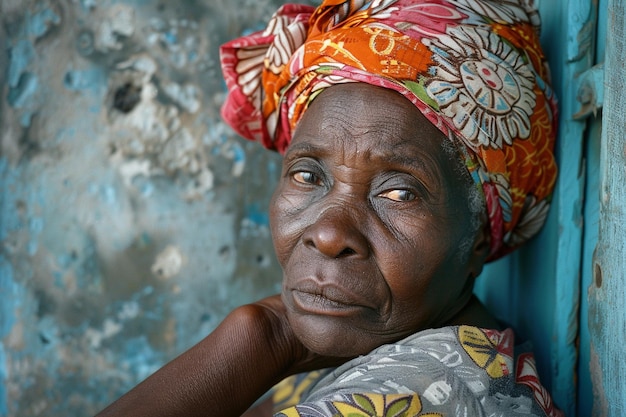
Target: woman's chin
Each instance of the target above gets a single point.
(326, 337)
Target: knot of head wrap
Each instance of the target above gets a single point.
(474, 68)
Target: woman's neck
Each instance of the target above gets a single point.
(474, 313)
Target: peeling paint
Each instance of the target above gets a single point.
(7, 318)
(3, 377)
(39, 23)
(186, 96)
(600, 404)
(115, 28)
(115, 163)
(590, 92)
(77, 80)
(20, 57)
(168, 263)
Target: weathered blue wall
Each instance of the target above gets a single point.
(131, 218)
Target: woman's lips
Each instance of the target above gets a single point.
(327, 301)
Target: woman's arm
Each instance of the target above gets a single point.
(249, 352)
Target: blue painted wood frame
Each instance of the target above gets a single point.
(538, 289)
(607, 294)
(591, 223)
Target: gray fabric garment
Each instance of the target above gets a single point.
(443, 369)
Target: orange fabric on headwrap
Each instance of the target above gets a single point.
(474, 68)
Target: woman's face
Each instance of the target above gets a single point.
(367, 222)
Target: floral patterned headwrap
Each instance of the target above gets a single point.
(474, 68)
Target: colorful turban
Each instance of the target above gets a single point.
(474, 68)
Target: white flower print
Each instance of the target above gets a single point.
(506, 200)
(289, 36)
(482, 85)
(380, 9)
(249, 69)
(252, 59)
(533, 216)
(503, 11)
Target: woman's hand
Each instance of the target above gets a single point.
(249, 352)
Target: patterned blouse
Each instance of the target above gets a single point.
(451, 371)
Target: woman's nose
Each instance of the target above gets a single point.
(336, 234)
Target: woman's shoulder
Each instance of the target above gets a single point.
(432, 371)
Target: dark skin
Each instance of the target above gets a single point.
(366, 222)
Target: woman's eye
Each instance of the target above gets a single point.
(306, 177)
(398, 195)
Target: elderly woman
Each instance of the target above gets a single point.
(417, 140)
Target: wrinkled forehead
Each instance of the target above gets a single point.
(357, 110)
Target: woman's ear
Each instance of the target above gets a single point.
(480, 250)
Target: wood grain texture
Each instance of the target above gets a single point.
(607, 294)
